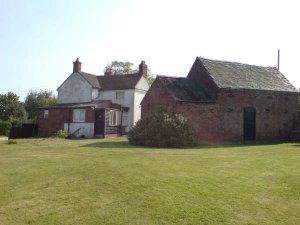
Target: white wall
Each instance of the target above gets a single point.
(128, 101)
(142, 84)
(75, 89)
(87, 129)
(138, 97)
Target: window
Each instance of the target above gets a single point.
(46, 114)
(79, 115)
(120, 95)
(114, 118)
(95, 93)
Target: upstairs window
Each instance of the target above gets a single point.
(95, 93)
(46, 114)
(79, 115)
(120, 95)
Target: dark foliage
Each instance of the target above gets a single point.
(4, 127)
(161, 129)
(10, 105)
(36, 99)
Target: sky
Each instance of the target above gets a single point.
(40, 40)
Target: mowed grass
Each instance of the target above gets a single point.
(56, 181)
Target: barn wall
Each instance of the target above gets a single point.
(223, 121)
(275, 114)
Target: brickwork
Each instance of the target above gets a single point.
(56, 119)
(223, 121)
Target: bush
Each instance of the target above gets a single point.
(4, 127)
(61, 134)
(162, 130)
(12, 142)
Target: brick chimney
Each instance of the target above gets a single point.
(76, 66)
(108, 72)
(143, 69)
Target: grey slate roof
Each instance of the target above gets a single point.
(119, 82)
(185, 89)
(232, 75)
(112, 82)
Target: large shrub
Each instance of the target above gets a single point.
(4, 127)
(161, 129)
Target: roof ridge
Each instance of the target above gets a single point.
(233, 62)
(116, 75)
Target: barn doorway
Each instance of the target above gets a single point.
(249, 123)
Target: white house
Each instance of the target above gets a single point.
(96, 105)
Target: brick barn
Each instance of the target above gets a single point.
(228, 102)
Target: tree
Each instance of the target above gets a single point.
(120, 67)
(36, 99)
(10, 105)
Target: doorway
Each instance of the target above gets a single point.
(249, 123)
(99, 122)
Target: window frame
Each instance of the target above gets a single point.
(79, 115)
(114, 118)
(118, 93)
(46, 113)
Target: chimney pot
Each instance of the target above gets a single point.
(76, 66)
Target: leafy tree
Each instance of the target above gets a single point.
(10, 105)
(120, 67)
(36, 99)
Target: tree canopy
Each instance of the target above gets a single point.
(120, 67)
(36, 99)
(10, 105)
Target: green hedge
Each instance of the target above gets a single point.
(161, 129)
(4, 127)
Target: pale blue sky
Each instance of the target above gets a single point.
(41, 39)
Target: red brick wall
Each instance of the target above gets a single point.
(157, 97)
(56, 119)
(223, 121)
(275, 114)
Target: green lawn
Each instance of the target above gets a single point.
(56, 181)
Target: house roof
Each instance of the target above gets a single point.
(112, 82)
(232, 75)
(185, 89)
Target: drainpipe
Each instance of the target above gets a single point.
(69, 121)
(121, 133)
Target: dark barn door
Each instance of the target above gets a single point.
(249, 123)
(99, 121)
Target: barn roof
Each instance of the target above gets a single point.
(112, 82)
(185, 89)
(232, 75)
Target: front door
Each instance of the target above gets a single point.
(99, 121)
(249, 124)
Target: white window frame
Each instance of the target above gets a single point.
(114, 118)
(79, 115)
(46, 114)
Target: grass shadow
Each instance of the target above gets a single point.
(110, 144)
